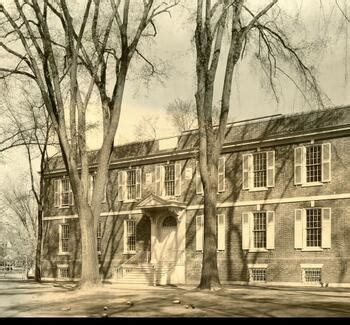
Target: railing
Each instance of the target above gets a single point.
(128, 265)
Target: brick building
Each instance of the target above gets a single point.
(283, 207)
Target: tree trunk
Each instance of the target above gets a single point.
(89, 268)
(37, 275)
(210, 275)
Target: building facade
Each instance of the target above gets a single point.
(283, 207)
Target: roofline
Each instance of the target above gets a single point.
(319, 134)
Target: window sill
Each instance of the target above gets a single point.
(64, 253)
(258, 189)
(130, 253)
(258, 250)
(130, 201)
(312, 184)
(312, 249)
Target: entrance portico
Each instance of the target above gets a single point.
(168, 229)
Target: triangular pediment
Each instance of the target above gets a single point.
(154, 201)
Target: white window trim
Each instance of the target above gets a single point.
(312, 184)
(304, 183)
(251, 187)
(125, 248)
(256, 266)
(304, 267)
(258, 189)
(59, 267)
(60, 240)
(258, 250)
(311, 266)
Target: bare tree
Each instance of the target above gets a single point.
(146, 128)
(183, 114)
(214, 19)
(29, 127)
(60, 45)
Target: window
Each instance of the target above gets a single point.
(259, 229)
(91, 187)
(260, 168)
(63, 272)
(129, 236)
(169, 179)
(312, 229)
(313, 164)
(257, 274)
(220, 228)
(311, 273)
(99, 237)
(131, 184)
(64, 238)
(221, 177)
(66, 192)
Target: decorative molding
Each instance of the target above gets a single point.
(311, 266)
(225, 205)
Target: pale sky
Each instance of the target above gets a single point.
(249, 97)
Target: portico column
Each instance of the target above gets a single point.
(154, 235)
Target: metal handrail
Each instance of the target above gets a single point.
(121, 267)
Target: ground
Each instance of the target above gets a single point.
(21, 298)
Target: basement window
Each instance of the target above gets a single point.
(312, 275)
(257, 275)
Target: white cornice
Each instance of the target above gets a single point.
(341, 196)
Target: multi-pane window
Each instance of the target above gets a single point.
(131, 184)
(259, 229)
(66, 192)
(169, 179)
(258, 274)
(312, 275)
(130, 238)
(313, 227)
(63, 272)
(313, 164)
(99, 236)
(64, 238)
(259, 169)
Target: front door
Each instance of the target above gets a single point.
(168, 240)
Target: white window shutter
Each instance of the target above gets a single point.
(162, 180)
(326, 228)
(158, 180)
(221, 174)
(245, 230)
(91, 188)
(246, 171)
(270, 178)
(199, 184)
(120, 186)
(105, 192)
(138, 183)
(178, 178)
(299, 165)
(125, 236)
(57, 192)
(125, 178)
(221, 232)
(326, 162)
(71, 196)
(199, 232)
(298, 228)
(270, 230)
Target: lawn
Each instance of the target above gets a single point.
(20, 298)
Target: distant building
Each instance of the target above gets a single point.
(283, 207)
